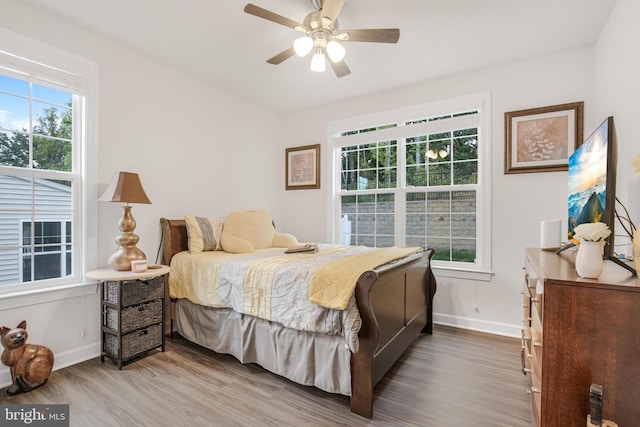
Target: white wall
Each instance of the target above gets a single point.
(519, 202)
(617, 90)
(197, 149)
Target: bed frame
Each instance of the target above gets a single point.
(395, 304)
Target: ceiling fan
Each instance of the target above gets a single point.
(322, 34)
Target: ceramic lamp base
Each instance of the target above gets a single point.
(127, 251)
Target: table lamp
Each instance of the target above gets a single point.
(125, 187)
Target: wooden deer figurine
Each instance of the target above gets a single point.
(30, 364)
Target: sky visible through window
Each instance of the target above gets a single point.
(14, 102)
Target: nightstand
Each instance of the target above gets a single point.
(132, 311)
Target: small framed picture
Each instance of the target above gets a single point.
(303, 167)
(542, 139)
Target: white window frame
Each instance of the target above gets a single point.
(29, 59)
(481, 269)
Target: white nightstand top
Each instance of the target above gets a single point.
(104, 274)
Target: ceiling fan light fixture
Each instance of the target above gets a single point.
(321, 28)
(303, 46)
(318, 63)
(335, 51)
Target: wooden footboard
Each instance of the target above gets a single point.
(395, 303)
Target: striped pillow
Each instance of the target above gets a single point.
(204, 233)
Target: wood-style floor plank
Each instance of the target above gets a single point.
(452, 378)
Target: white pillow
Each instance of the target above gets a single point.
(204, 233)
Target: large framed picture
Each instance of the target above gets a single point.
(542, 139)
(303, 167)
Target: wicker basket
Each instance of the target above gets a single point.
(134, 342)
(135, 316)
(143, 290)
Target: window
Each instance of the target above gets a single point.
(51, 254)
(44, 128)
(417, 176)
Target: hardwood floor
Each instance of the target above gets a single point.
(452, 378)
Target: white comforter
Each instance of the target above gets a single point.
(267, 284)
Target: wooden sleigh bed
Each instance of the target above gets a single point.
(395, 306)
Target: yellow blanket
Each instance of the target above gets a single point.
(333, 283)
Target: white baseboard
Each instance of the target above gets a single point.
(478, 325)
(62, 360)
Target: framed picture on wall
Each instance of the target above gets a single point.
(542, 139)
(303, 167)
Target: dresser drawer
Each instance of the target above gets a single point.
(134, 342)
(536, 398)
(135, 291)
(526, 352)
(536, 363)
(536, 328)
(526, 303)
(136, 316)
(536, 305)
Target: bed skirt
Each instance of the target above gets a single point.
(323, 361)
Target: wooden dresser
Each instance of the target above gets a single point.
(578, 332)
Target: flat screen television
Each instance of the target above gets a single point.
(592, 184)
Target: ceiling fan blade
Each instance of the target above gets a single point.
(252, 9)
(378, 35)
(331, 9)
(282, 56)
(340, 68)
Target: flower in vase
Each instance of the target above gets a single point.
(636, 164)
(592, 232)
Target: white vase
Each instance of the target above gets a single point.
(589, 261)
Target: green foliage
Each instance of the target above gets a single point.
(14, 150)
(459, 256)
(52, 148)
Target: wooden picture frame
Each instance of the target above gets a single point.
(542, 139)
(303, 167)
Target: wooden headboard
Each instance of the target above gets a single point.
(174, 238)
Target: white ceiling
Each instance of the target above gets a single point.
(216, 41)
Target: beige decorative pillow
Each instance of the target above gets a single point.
(204, 233)
(284, 240)
(245, 231)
